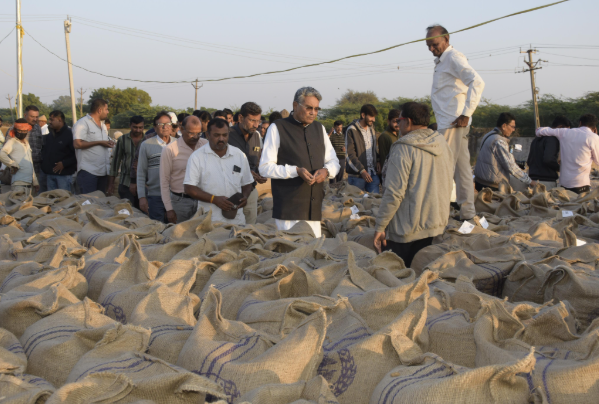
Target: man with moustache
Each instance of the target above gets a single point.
(16, 154)
(390, 135)
(245, 137)
(298, 156)
(173, 163)
(218, 172)
(362, 157)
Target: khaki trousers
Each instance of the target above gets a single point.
(251, 209)
(458, 143)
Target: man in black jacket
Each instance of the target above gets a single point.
(543, 164)
(59, 162)
(362, 158)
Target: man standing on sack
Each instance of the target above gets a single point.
(298, 156)
(456, 92)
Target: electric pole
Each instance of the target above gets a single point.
(195, 105)
(81, 101)
(535, 91)
(20, 33)
(10, 106)
(67, 31)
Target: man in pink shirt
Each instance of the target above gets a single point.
(579, 149)
(173, 162)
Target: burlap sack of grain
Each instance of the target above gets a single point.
(356, 280)
(49, 254)
(164, 252)
(510, 206)
(567, 363)
(6, 246)
(579, 225)
(201, 247)
(587, 254)
(170, 317)
(54, 344)
(379, 307)
(579, 288)
(315, 391)
(57, 223)
(488, 269)
(487, 201)
(526, 279)
(12, 269)
(241, 359)
(435, 380)
(32, 278)
(135, 270)
(390, 270)
(12, 357)
(99, 266)
(180, 275)
(335, 212)
(14, 233)
(117, 371)
(429, 254)
(353, 368)
(540, 206)
(192, 229)
(24, 389)
(18, 310)
(101, 233)
(349, 190)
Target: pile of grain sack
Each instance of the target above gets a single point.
(98, 303)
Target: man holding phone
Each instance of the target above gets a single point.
(219, 177)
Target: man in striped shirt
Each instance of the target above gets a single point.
(338, 141)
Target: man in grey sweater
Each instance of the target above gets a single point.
(148, 168)
(415, 205)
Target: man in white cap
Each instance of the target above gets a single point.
(175, 127)
(42, 121)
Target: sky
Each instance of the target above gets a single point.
(191, 39)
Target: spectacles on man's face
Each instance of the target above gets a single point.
(310, 109)
(162, 125)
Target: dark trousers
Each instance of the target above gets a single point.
(407, 251)
(341, 173)
(156, 208)
(89, 183)
(479, 187)
(125, 193)
(580, 190)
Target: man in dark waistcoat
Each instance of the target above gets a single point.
(298, 157)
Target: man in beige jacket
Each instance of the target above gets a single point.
(418, 184)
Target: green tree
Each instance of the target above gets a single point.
(120, 100)
(32, 99)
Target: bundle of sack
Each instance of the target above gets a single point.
(98, 303)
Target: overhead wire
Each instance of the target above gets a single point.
(307, 65)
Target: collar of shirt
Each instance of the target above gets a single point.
(305, 126)
(88, 116)
(441, 58)
(60, 132)
(181, 143)
(162, 142)
(238, 130)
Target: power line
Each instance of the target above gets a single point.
(7, 35)
(572, 57)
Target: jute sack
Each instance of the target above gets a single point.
(170, 317)
(487, 201)
(6, 246)
(19, 310)
(241, 359)
(435, 380)
(587, 254)
(192, 229)
(29, 278)
(357, 281)
(133, 375)
(99, 266)
(314, 391)
(379, 307)
(24, 389)
(101, 233)
(9, 270)
(580, 288)
(54, 344)
(488, 269)
(164, 252)
(49, 254)
(198, 248)
(12, 358)
(561, 355)
(58, 223)
(390, 270)
(354, 368)
(335, 212)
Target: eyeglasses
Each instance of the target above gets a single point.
(162, 125)
(253, 120)
(310, 109)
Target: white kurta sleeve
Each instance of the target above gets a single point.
(331, 162)
(268, 162)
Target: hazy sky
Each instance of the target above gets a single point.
(220, 39)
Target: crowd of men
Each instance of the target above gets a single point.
(214, 162)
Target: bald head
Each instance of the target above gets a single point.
(191, 121)
(191, 129)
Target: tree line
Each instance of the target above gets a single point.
(125, 103)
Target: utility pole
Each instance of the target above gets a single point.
(67, 31)
(535, 91)
(195, 105)
(20, 33)
(10, 106)
(81, 101)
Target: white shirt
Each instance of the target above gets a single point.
(457, 88)
(162, 142)
(220, 176)
(579, 147)
(268, 162)
(45, 129)
(96, 159)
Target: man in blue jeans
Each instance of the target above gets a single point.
(362, 158)
(58, 153)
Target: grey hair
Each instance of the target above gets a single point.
(304, 92)
(437, 27)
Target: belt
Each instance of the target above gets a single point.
(181, 195)
(580, 190)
